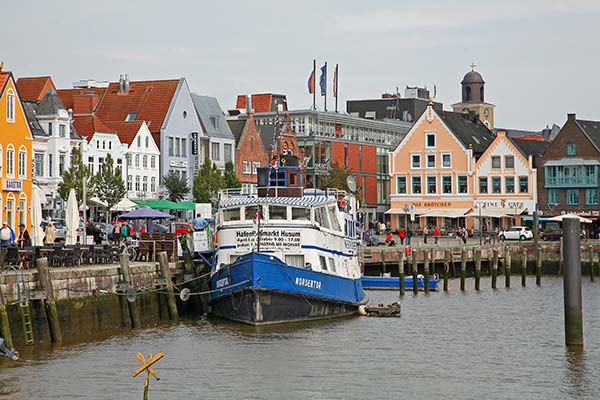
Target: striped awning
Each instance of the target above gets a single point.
(306, 201)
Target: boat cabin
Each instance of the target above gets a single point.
(283, 178)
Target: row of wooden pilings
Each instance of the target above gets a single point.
(493, 270)
(49, 302)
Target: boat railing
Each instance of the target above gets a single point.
(235, 192)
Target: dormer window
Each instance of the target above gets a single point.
(131, 116)
(214, 121)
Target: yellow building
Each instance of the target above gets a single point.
(15, 155)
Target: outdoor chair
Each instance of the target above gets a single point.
(12, 255)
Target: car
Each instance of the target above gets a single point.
(516, 233)
(107, 230)
(181, 228)
(160, 228)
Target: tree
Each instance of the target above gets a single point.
(176, 186)
(231, 179)
(336, 179)
(208, 182)
(110, 187)
(74, 176)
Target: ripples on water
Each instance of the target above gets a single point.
(503, 344)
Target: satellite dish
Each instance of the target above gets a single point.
(131, 294)
(351, 183)
(184, 295)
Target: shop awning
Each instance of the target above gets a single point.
(446, 212)
(496, 212)
(417, 211)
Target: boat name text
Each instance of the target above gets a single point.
(309, 283)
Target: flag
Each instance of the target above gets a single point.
(311, 82)
(323, 80)
(335, 78)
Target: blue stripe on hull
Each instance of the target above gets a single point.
(256, 270)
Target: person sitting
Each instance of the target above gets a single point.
(389, 240)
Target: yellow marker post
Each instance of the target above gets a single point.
(147, 366)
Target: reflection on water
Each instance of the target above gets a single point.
(502, 344)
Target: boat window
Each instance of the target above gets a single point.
(250, 213)
(321, 217)
(231, 214)
(331, 264)
(295, 260)
(300, 213)
(323, 263)
(277, 212)
(335, 222)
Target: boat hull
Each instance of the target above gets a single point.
(259, 289)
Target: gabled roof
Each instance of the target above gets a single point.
(30, 106)
(467, 128)
(267, 135)
(208, 109)
(237, 128)
(3, 79)
(87, 125)
(127, 131)
(67, 95)
(34, 88)
(591, 129)
(149, 99)
(50, 104)
(528, 147)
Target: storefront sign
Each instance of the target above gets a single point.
(194, 140)
(502, 203)
(433, 204)
(13, 185)
(200, 241)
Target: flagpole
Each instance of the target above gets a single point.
(314, 84)
(325, 105)
(337, 78)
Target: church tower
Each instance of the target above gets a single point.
(473, 98)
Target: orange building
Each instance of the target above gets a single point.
(15, 155)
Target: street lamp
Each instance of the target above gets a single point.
(406, 209)
(479, 207)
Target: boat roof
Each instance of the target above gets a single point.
(305, 201)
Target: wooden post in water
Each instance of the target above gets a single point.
(507, 266)
(163, 261)
(538, 267)
(5, 323)
(524, 267)
(592, 263)
(126, 273)
(561, 258)
(463, 268)
(401, 271)
(426, 270)
(50, 305)
(477, 267)
(494, 267)
(572, 282)
(446, 268)
(415, 272)
(383, 266)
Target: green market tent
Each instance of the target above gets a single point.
(186, 205)
(158, 204)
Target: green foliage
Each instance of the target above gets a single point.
(109, 183)
(231, 179)
(74, 176)
(336, 178)
(208, 182)
(176, 186)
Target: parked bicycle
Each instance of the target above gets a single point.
(130, 247)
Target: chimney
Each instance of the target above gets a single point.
(121, 83)
(571, 117)
(126, 84)
(249, 105)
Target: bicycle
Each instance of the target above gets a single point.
(127, 246)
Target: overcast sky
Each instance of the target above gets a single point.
(540, 59)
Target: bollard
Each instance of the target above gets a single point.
(494, 267)
(50, 305)
(507, 266)
(463, 268)
(126, 273)
(524, 267)
(415, 272)
(401, 271)
(572, 282)
(561, 258)
(5, 323)
(163, 261)
(426, 271)
(477, 268)
(538, 267)
(592, 263)
(446, 268)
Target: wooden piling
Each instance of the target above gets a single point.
(524, 267)
(561, 258)
(5, 323)
(507, 266)
(45, 282)
(477, 267)
(131, 306)
(591, 263)
(463, 268)
(401, 271)
(494, 267)
(415, 273)
(572, 295)
(538, 267)
(446, 268)
(383, 266)
(163, 261)
(426, 270)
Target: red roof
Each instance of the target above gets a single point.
(67, 95)
(87, 125)
(34, 88)
(3, 79)
(537, 138)
(260, 102)
(149, 99)
(126, 130)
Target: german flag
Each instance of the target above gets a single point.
(311, 82)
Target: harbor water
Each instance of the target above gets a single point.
(492, 344)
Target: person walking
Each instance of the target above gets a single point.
(50, 234)
(425, 234)
(402, 235)
(7, 235)
(24, 239)
(409, 234)
(436, 234)
(125, 233)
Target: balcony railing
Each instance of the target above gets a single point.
(571, 181)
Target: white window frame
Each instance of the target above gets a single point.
(427, 160)
(255, 165)
(427, 135)
(10, 106)
(449, 155)
(427, 192)
(405, 184)
(412, 164)
(22, 163)
(247, 167)
(10, 161)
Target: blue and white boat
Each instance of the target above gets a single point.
(287, 253)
